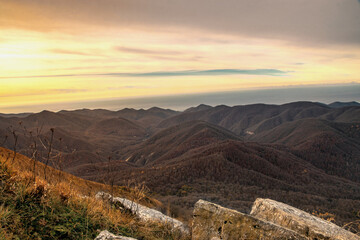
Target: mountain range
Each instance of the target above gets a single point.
(306, 154)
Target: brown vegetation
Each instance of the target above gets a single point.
(63, 206)
(307, 154)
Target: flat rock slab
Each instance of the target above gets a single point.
(106, 235)
(299, 221)
(146, 214)
(213, 222)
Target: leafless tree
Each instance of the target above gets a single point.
(49, 148)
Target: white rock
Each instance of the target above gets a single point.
(299, 221)
(146, 214)
(106, 235)
(213, 222)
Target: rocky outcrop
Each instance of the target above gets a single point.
(105, 235)
(299, 221)
(146, 214)
(213, 222)
(268, 220)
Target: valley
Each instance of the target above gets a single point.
(305, 154)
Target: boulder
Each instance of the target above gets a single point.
(146, 214)
(299, 221)
(105, 235)
(213, 222)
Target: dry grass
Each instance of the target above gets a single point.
(22, 166)
(67, 196)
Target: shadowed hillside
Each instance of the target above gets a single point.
(331, 146)
(233, 174)
(117, 127)
(175, 141)
(305, 154)
(240, 119)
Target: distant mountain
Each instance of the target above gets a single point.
(47, 119)
(331, 146)
(304, 153)
(345, 115)
(253, 118)
(17, 115)
(177, 140)
(116, 126)
(344, 104)
(148, 118)
(87, 132)
(95, 114)
(201, 107)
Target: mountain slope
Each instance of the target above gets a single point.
(148, 118)
(331, 146)
(177, 140)
(62, 206)
(233, 174)
(256, 117)
(306, 154)
(117, 127)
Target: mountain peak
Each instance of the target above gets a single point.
(200, 107)
(344, 104)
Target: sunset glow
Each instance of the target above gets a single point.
(54, 58)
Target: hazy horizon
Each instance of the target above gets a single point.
(324, 94)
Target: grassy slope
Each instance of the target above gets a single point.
(63, 206)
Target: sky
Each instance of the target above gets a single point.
(67, 54)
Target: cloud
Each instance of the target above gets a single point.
(45, 76)
(29, 92)
(211, 72)
(147, 51)
(126, 87)
(160, 54)
(69, 52)
(335, 57)
(67, 90)
(317, 22)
